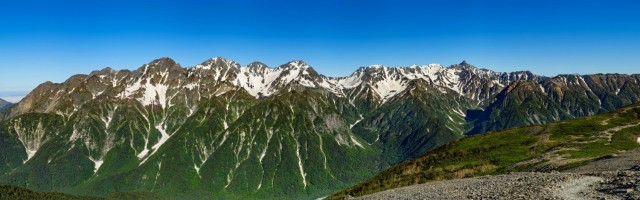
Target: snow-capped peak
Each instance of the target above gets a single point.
(157, 82)
(376, 66)
(217, 62)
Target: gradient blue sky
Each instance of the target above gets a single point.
(50, 41)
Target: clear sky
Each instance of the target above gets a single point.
(52, 40)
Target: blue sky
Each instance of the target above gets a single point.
(50, 41)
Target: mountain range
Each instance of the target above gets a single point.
(4, 104)
(222, 130)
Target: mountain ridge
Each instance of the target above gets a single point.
(310, 78)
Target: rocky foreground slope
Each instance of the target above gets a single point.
(614, 177)
(598, 157)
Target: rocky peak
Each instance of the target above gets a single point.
(464, 66)
(162, 64)
(104, 71)
(296, 65)
(164, 75)
(219, 63)
(257, 67)
(522, 85)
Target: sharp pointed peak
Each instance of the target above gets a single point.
(257, 63)
(375, 66)
(209, 63)
(162, 60)
(103, 71)
(297, 63)
(462, 65)
(257, 67)
(160, 63)
(218, 58)
(435, 65)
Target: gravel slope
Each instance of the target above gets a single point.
(613, 177)
(522, 185)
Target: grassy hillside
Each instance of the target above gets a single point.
(12, 192)
(548, 147)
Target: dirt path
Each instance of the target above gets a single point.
(576, 188)
(609, 132)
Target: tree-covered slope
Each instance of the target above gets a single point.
(562, 97)
(554, 146)
(17, 193)
(414, 122)
(231, 146)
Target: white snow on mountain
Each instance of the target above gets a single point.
(152, 87)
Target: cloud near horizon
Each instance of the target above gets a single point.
(12, 99)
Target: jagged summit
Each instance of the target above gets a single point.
(162, 80)
(163, 61)
(217, 62)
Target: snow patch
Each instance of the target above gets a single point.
(143, 153)
(191, 86)
(350, 82)
(356, 142)
(459, 112)
(131, 89)
(96, 164)
(357, 121)
(257, 84)
(30, 154)
(31, 139)
(304, 175)
(154, 94)
(164, 137)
